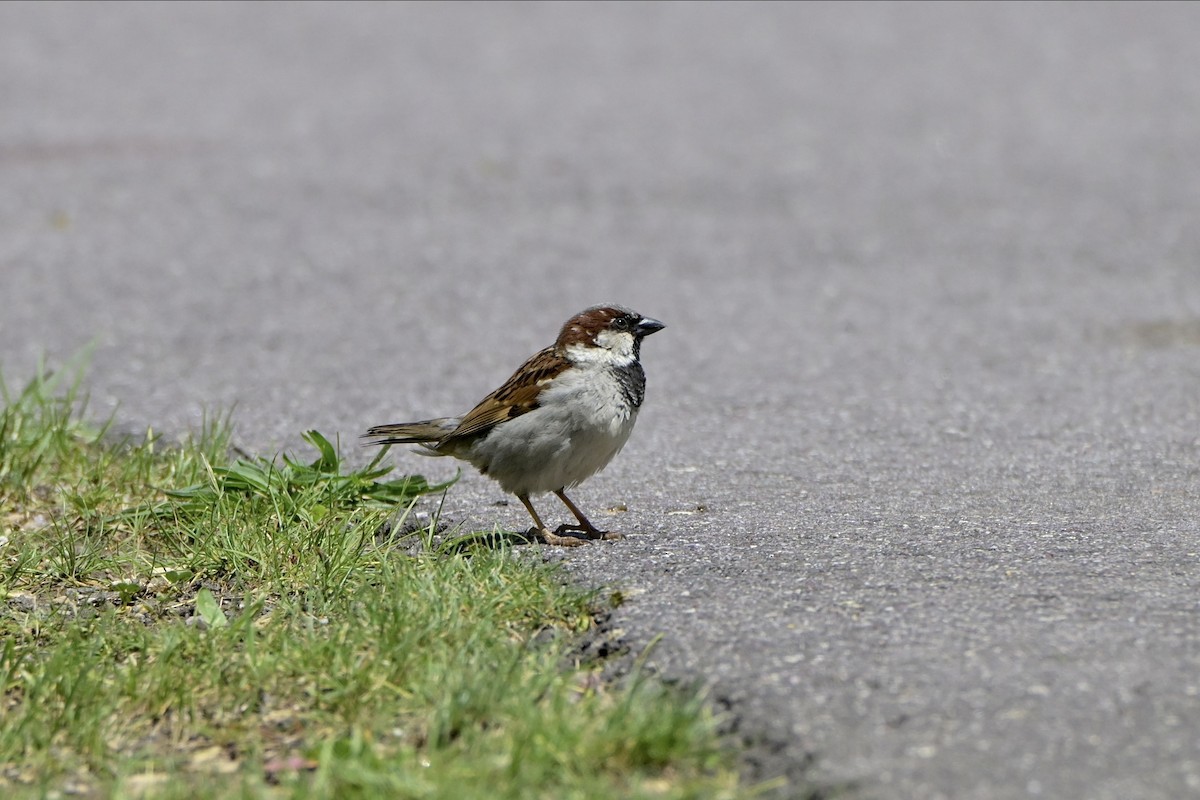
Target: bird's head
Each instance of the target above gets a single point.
(616, 331)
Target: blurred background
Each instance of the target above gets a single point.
(370, 209)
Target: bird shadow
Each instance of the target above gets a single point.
(493, 540)
(445, 539)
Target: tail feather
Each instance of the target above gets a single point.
(428, 432)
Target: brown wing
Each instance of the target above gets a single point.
(518, 395)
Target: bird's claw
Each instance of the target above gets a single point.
(592, 532)
(546, 537)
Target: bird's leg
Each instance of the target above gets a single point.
(540, 531)
(590, 530)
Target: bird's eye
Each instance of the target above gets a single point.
(621, 323)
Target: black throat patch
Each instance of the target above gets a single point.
(632, 380)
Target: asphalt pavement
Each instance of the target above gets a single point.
(916, 488)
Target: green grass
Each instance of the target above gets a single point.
(177, 624)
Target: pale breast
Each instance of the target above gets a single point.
(583, 421)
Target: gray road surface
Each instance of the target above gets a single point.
(917, 484)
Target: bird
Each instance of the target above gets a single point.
(561, 417)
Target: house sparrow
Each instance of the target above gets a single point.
(558, 420)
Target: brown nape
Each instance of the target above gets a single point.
(583, 327)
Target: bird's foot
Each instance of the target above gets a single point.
(592, 532)
(546, 537)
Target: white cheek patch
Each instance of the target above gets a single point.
(618, 343)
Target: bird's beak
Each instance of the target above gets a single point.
(648, 326)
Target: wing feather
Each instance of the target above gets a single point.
(518, 395)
